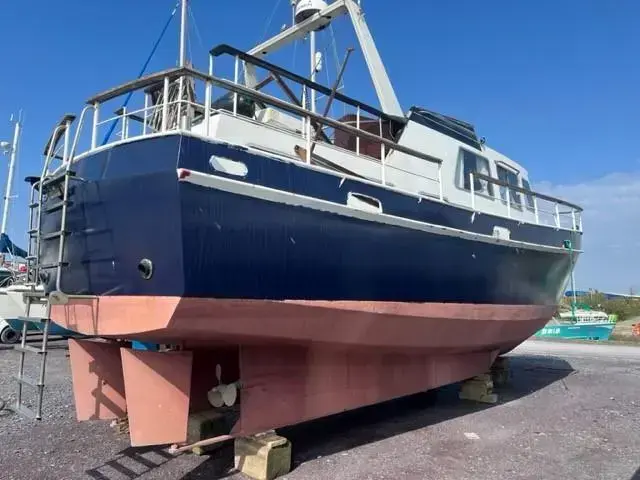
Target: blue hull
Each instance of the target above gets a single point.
(205, 242)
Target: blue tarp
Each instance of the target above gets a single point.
(7, 246)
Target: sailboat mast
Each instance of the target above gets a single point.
(312, 38)
(12, 166)
(183, 33)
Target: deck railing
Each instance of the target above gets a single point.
(192, 113)
(170, 110)
(546, 210)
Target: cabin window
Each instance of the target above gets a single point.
(511, 178)
(476, 164)
(529, 198)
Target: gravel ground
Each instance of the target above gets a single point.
(569, 412)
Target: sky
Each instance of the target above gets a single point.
(552, 84)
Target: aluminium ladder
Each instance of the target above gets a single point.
(46, 182)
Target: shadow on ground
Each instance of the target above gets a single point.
(349, 430)
(132, 463)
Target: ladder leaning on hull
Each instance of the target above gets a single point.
(59, 180)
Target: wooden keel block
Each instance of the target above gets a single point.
(263, 457)
(121, 425)
(478, 389)
(205, 425)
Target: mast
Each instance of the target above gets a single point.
(312, 38)
(183, 33)
(12, 165)
(307, 23)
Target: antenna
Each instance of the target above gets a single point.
(183, 33)
(304, 10)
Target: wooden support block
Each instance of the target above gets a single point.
(478, 389)
(485, 398)
(121, 425)
(205, 425)
(263, 457)
(485, 377)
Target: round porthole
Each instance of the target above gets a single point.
(145, 267)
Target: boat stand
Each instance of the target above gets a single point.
(479, 389)
(263, 457)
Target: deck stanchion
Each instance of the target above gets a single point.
(165, 105)
(308, 122)
(125, 124)
(94, 131)
(358, 127)
(207, 107)
(67, 138)
(145, 116)
(472, 188)
(236, 79)
(382, 164)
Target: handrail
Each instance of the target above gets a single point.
(259, 96)
(259, 62)
(145, 81)
(524, 191)
(162, 79)
(55, 137)
(78, 130)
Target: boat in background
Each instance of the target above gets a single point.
(317, 264)
(580, 324)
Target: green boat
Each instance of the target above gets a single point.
(580, 324)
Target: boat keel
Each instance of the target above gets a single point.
(279, 385)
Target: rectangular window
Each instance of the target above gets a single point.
(476, 164)
(527, 186)
(510, 178)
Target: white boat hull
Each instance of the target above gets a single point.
(13, 306)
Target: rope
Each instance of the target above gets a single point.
(269, 20)
(144, 69)
(196, 29)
